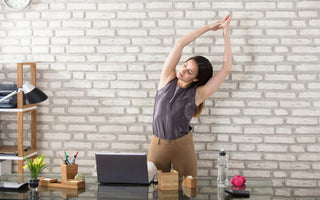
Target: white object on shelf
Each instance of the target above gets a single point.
(8, 157)
(17, 110)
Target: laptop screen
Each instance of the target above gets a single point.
(130, 168)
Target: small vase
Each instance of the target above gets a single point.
(34, 195)
(34, 183)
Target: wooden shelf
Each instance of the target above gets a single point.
(21, 110)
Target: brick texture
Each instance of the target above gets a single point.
(100, 62)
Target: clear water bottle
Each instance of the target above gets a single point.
(222, 179)
(221, 195)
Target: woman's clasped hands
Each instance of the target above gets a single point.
(221, 24)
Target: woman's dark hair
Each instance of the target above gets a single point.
(205, 72)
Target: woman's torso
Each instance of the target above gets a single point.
(173, 110)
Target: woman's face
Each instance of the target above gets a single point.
(188, 71)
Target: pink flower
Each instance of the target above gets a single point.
(238, 180)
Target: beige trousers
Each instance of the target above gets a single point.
(179, 152)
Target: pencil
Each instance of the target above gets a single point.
(61, 159)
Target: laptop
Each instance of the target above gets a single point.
(127, 168)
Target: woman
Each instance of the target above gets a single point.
(180, 96)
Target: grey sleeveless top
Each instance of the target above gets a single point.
(173, 110)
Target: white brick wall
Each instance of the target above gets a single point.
(100, 61)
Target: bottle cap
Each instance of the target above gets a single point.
(222, 152)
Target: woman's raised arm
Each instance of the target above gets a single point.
(205, 91)
(168, 71)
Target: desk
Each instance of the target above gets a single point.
(260, 189)
(206, 189)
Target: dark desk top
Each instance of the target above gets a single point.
(206, 189)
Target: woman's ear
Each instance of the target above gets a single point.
(195, 80)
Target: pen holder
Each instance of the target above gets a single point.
(68, 171)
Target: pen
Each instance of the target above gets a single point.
(75, 157)
(67, 161)
(73, 160)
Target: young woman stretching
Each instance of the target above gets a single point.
(180, 96)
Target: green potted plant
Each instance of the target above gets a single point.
(35, 167)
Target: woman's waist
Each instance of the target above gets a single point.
(173, 140)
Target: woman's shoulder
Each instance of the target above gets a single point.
(169, 83)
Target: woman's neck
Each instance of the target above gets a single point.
(183, 84)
